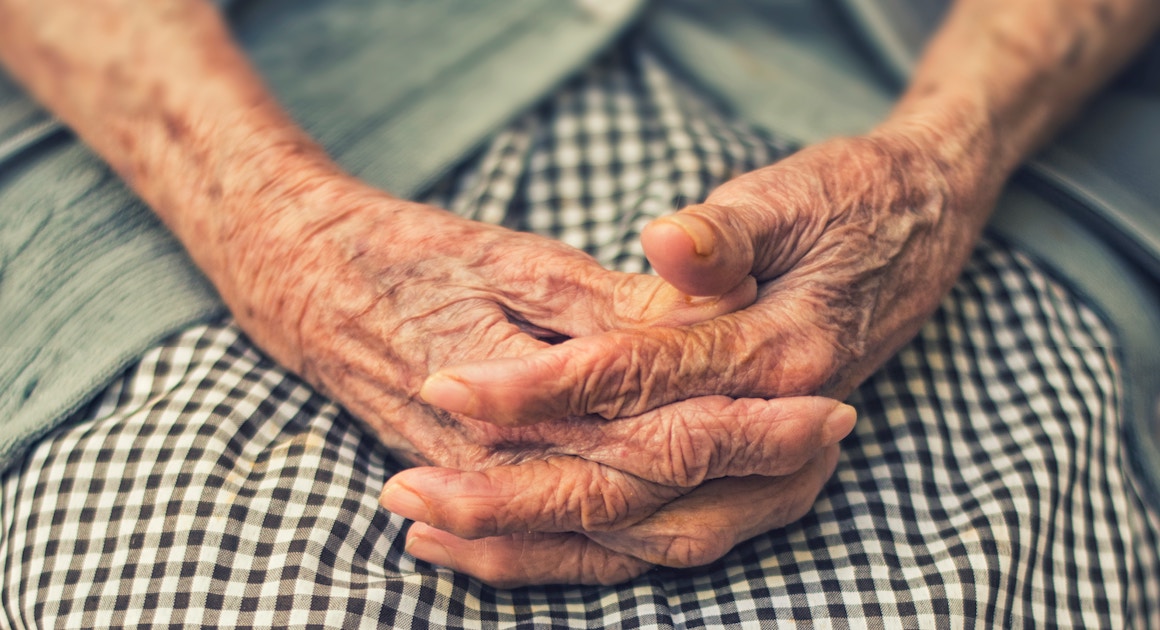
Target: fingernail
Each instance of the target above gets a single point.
(429, 550)
(401, 500)
(704, 241)
(447, 393)
(838, 424)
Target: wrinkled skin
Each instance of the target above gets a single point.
(386, 292)
(365, 295)
(853, 242)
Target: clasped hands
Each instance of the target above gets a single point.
(576, 425)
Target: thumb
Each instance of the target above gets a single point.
(706, 249)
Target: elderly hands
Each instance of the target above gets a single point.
(852, 242)
(365, 295)
(386, 292)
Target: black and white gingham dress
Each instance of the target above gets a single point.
(984, 486)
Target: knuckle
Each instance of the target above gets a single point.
(472, 522)
(608, 569)
(546, 363)
(779, 445)
(605, 506)
(746, 450)
(577, 498)
(693, 550)
(615, 381)
(687, 460)
(730, 359)
(608, 500)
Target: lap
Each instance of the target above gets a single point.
(985, 479)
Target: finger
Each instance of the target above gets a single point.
(525, 559)
(625, 373)
(600, 300)
(693, 531)
(696, 255)
(560, 494)
(707, 249)
(687, 443)
(629, 469)
(704, 525)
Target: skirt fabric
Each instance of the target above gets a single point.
(985, 484)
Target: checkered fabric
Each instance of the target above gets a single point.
(985, 484)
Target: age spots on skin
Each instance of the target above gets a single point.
(1075, 52)
(176, 129)
(1104, 13)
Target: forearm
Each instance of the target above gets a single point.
(1002, 75)
(998, 79)
(160, 91)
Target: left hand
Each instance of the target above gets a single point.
(853, 243)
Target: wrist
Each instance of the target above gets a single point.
(954, 142)
(269, 246)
